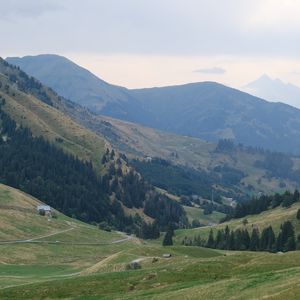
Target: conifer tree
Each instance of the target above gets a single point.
(231, 245)
(168, 239)
(227, 237)
(254, 240)
(210, 242)
(286, 237)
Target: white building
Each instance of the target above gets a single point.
(45, 208)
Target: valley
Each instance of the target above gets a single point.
(116, 189)
(149, 150)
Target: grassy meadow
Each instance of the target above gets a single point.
(67, 259)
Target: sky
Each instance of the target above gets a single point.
(143, 43)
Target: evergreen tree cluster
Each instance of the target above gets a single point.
(174, 178)
(165, 211)
(40, 169)
(148, 231)
(240, 239)
(133, 191)
(226, 146)
(184, 180)
(168, 238)
(263, 203)
(278, 164)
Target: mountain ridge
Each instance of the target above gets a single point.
(206, 110)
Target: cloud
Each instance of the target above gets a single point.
(169, 27)
(214, 70)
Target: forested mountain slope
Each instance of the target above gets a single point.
(61, 161)
(189, 165)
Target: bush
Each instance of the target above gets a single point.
(134, 265)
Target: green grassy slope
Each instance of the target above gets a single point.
(87, 263)
(195, 213)
(274, 217)
(40, 247)
(234, 276)
(52, 124)
(19, 220)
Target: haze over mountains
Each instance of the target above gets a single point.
(274, 90)
(207, 110)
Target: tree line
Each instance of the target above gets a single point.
(259, 204)
(241, 239)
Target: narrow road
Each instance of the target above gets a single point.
(36, 240)
(51, 234)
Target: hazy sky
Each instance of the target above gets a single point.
(139, 43)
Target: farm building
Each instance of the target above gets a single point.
(44, 208)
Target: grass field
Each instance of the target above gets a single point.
(195, 213)
(207, 274)
(67, 259)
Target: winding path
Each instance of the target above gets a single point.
(36, 240)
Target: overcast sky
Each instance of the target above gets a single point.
(139, 43)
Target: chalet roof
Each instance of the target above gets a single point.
(43, 207)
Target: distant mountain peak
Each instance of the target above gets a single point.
(264, 77)
(274, 90)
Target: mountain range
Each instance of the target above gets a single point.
(206, 110)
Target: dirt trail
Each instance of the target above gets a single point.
(36, 238)
(95, 268)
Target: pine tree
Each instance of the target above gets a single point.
(210, 242)
(232, 243)
(296, 196)
(254, 240)
(279, 242)
(264, 240)
(227, 238)
(246, 239)
(168, 239)
(290, 244)
(239, 240)
(220, 240)
(286, 237)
